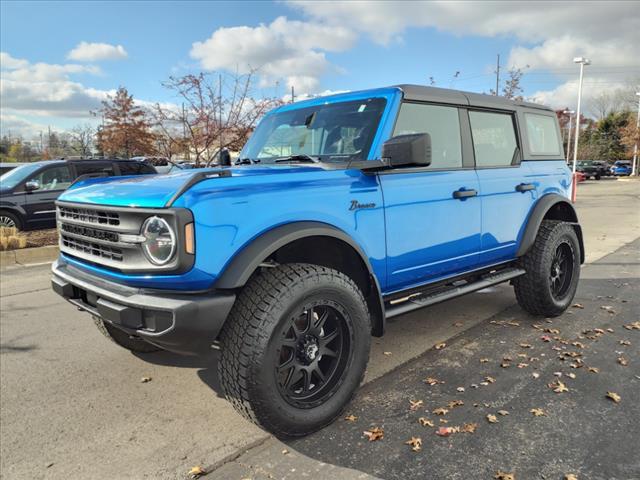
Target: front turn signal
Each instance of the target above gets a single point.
(189, 239)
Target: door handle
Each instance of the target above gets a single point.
(461, 194)
(525, 187)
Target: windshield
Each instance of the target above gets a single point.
(17, 175)
(338, 132)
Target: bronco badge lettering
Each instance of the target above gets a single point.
(355, 205)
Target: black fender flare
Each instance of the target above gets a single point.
(538, 214)
(248, 259)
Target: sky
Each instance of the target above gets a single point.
(59, 60)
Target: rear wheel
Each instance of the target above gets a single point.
(295, 348)
(123, 339)
(553, 270)
(10, 220)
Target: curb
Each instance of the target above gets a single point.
(29, 256)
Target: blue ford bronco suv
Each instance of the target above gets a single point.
(341, 213)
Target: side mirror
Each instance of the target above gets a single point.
(405, 150)
(225, 158)
(32, 185)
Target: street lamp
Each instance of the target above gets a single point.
(582, 61)
(570, 113)
(634, 168)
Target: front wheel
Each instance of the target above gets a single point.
(295, 348)
(553, 270)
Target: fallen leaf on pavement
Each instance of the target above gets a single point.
(285, 451)
(460, 389)
(623, 361)
(535, 375)
(415, 404)
(525, 345)
(492, 418)
(504, 476)
(469, 428)
(570, 476)
(484, 360)
(577, 305)
(415, 442)
(425, 422)
(440, 411)
(455, 403)
(387, 353)
(624, 342)
(523, 365)
(432, 381)
(444, 431)
(633, 326)
(545, 338)
(503, 412)
(440, 346)
(558, 387)
(614, 396)
(196, 471)
(490, 379)
(373, 434)
(608, 308)
(571, 375)
(145, 379)
(351, 418)
(538, 412)
(594, 370)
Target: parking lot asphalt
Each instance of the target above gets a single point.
(73, 404)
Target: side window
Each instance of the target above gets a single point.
(542, 134)
(85, 168)
(134, 168)
(494, 138)
(441, 123)
(56, 178)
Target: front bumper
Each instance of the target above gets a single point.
(182, 323)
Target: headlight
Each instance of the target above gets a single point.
(160, 241)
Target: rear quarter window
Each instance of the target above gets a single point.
(542, 134)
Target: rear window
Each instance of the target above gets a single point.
(542, 134)
(135, 168)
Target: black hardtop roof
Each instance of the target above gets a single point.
(445, 95)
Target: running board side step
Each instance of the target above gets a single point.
(421, 300)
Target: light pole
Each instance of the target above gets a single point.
(634, 168)
(582, 61)
(569, 112)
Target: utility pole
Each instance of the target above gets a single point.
(634, 168)
(582, 61)
(293, 95)
(498, 75)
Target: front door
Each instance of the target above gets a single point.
(432, 213)
(40, 204)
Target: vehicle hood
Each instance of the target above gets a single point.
(156, 191)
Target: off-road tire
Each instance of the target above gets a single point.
(124, 339)
(251, 335)
(533, 290)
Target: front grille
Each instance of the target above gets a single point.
(91, 248)
(89, 215)
(89, 232)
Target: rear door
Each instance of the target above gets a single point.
(40, 203)
(507, 191)
(432, 213)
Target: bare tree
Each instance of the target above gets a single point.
(603, 104)
(216, 114)
(82, 139)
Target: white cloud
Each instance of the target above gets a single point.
(47, 89)
(14, 126)
(93, 52)
(292, 50)
(7, 62)
(549, 34)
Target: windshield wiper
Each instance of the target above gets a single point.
(247, 161)
(302, 158)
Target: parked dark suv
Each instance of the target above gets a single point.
(28, 193)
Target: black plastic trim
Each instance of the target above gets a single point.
(537, 216)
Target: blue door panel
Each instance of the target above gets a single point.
(429, 233)
(504, 210)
